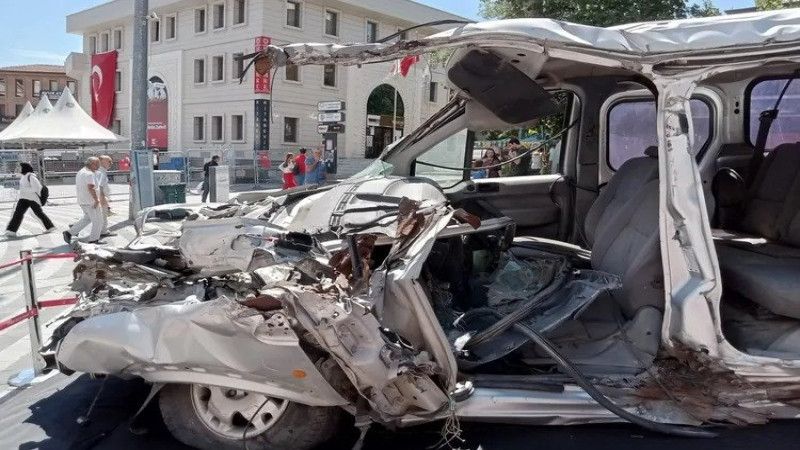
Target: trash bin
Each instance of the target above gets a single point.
(174, 193)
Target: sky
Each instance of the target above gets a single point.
(34, 31)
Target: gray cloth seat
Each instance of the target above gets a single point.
(626, 182)
(767, 272)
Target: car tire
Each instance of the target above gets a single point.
(292, 426)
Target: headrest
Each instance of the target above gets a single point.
(651, 151)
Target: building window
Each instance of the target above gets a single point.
(155, 31)
(219, 16)
(292, 72)
(331, 23)
(294, 14)
(92, 45)
(237, 127)
(20, 88)
(199, 70)
(104, 44)
(2, 87)
(238, 66)
(118, 81)
(290, 129)
(118, 39)
(216, 128)
(171, 27)
(199, 129)
(218, 68)
(37, 88)
(372, 31)
(433, 91)
(239, 11)
(329, 75)
(53, 85)
(18, 110)
(116, 126)
(200, 20)
(2, 110)
(72, 88)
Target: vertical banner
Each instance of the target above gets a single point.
(157, 114)
(261, 125)
(103, 78)
(261, 83)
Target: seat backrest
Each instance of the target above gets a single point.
(768, 203)
(625, 183)
(628, 246)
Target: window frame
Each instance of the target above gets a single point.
(467, 161)
(337, 25)
(296, 131)
(105, 46)
(4, 92)
(174, 18)
(236, 74)
(34, 85)
(74, 87)
(368, 21)
(244, 127)
(195, 72)
(712, 132)
(300, 14)
(221, 128)
(154, 31)
(746, 103)
(214, 60)
(116, 123)
(92, 44)
(202, 138)
(118, 43)
(299, 79)
(19, 88)
(335, 77)
(214, 7)
(118, 81)
(244, 14)
(204, 8)
(433, 88)
(50, 85)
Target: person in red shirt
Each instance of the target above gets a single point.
(125, 164)
(300, 173)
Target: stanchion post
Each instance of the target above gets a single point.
(34, 325)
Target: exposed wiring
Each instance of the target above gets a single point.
(426, 24)
(250, 422)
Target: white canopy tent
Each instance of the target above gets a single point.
(65, 124)
(27, 110)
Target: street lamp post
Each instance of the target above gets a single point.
(141, 158)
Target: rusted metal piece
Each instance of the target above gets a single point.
(409, 220)
(263, 303)
(342, 262)
(465, 217)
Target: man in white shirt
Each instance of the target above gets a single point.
(104, 191)
(89, 201)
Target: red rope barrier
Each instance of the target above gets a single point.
(56, 256)
(19, 261)
(18, 318)
(57, 302)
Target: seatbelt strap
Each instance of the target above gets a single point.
(765, 120)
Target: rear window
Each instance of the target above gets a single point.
(632, 128)
(762, 96)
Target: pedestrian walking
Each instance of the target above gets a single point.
(104, 192)
(288, 168)
(300, 168)
(206, 169)
(30, 190)
(314, 168)
(89, 201)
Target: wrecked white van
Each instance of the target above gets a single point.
(650, 274)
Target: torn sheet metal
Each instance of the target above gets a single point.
(219, 342)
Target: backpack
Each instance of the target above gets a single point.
(44, 194)
(296, 170)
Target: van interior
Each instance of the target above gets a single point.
(584, 265)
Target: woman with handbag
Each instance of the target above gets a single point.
(288, 168)
(30, 189)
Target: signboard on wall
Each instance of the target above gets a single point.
(157, 114)
(261, 83)
(261, 125)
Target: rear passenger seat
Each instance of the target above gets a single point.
(763, 265)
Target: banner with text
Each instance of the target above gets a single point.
(157, 114)
(103, 79)
(261, 83)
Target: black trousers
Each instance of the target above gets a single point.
(21, 209)
(206, 189)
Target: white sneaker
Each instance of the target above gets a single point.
(11, 234)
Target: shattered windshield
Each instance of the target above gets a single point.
(377, 169)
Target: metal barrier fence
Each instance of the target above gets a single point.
(245, 166)
(60, 166)
(32, 307)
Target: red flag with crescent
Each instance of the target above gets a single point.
(103, 78)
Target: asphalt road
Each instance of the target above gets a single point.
(44, 417)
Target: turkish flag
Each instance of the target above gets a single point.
(103, 78)
(406, 63)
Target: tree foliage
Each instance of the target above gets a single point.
(766, 5)
(601, 13)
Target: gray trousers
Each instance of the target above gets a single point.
(93, 216)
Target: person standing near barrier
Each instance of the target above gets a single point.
(314, 167)
(30, 189)
(104, 192)
(287, 168)
(206, 173)
(89, 201)
(300, 168)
